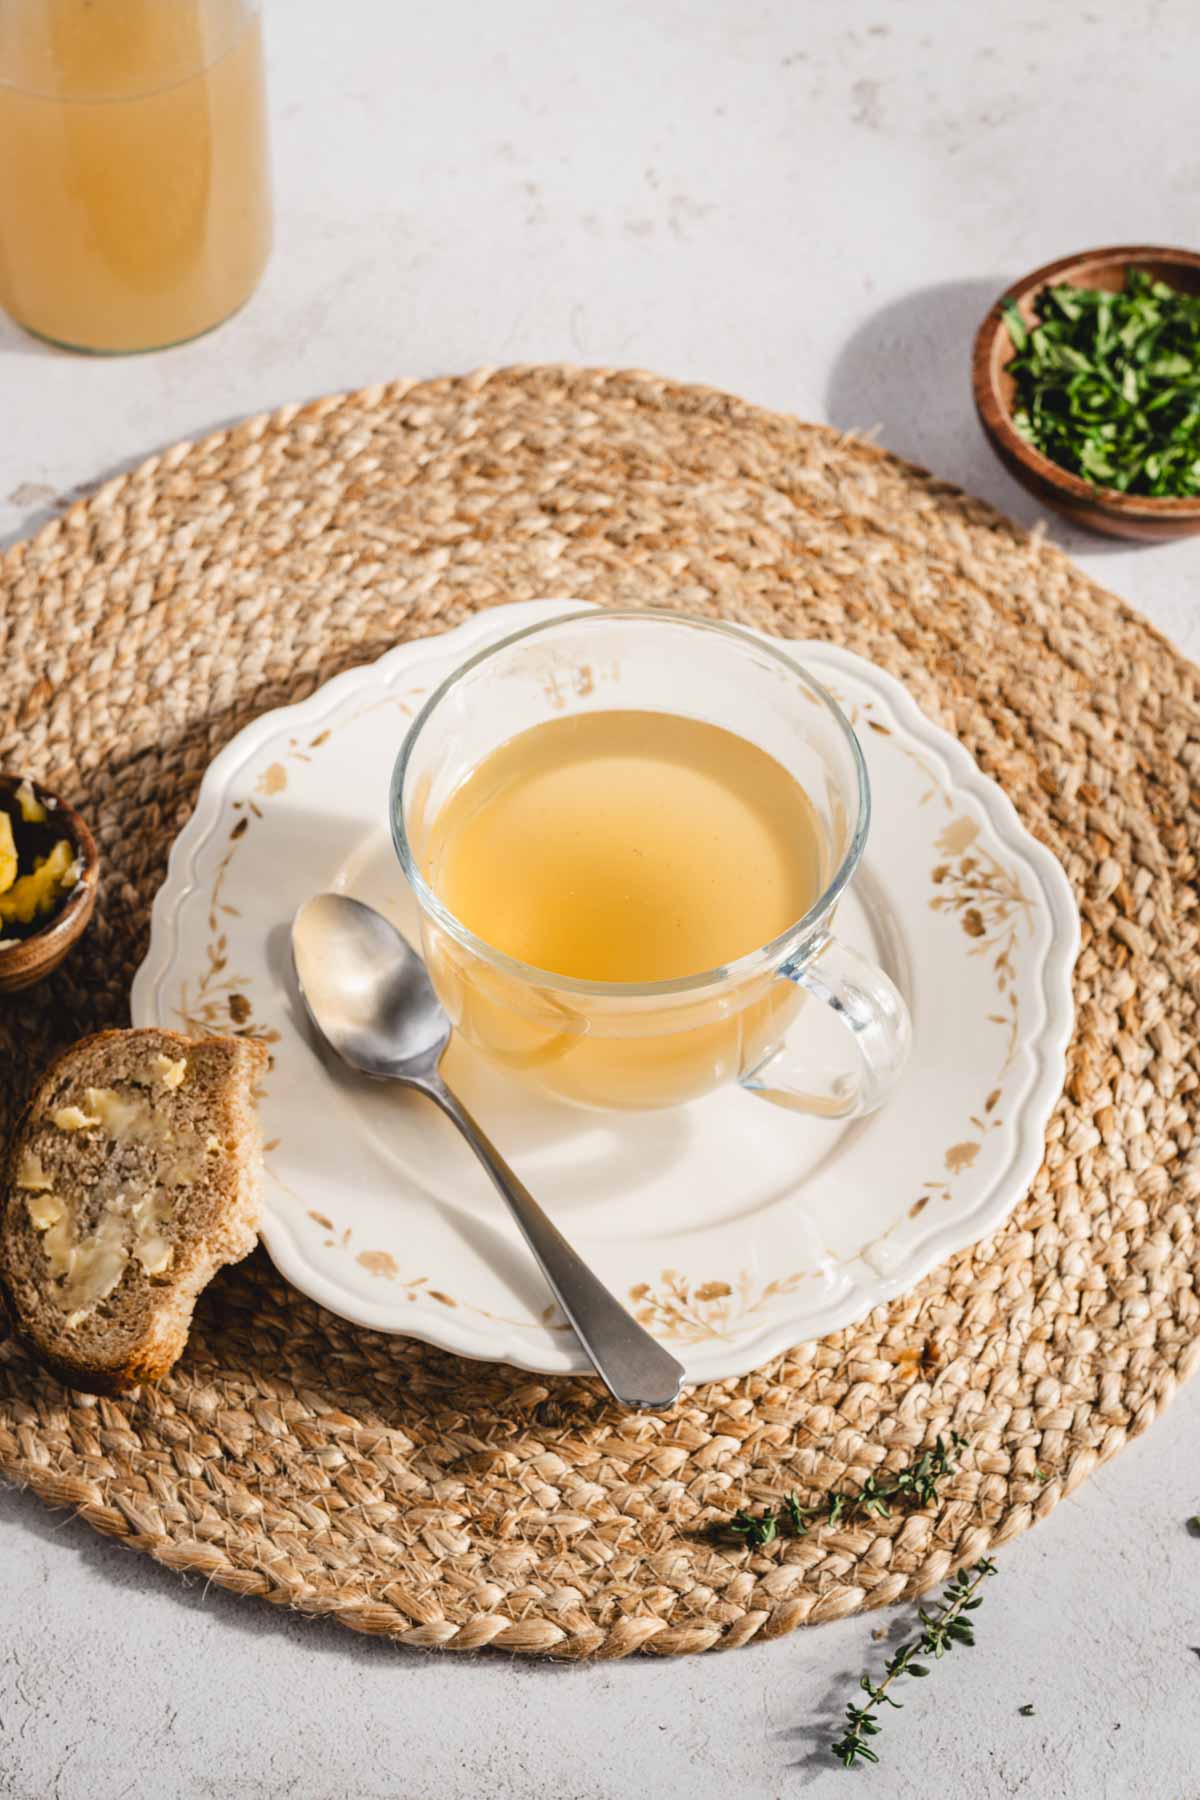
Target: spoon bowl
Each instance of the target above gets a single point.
(366, 989)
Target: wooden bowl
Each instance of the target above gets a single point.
(1095, 508)
(31, 958)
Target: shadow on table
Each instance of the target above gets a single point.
(904, 378)
(826, 1722)
(43, 503)
(131, 1572)
(127, 1571)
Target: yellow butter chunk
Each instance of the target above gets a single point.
(8, 854)
(170, 1072)
(31, 1174)
(122, 1116)
(32, 810)
(41, 891)
(155, 1254)
(72, 1118)
(44, 1211)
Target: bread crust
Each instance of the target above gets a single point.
(154, 1357)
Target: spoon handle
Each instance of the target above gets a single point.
(635, 1369)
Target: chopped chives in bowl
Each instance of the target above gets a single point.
(1108, 384)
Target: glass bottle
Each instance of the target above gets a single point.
(135, 207)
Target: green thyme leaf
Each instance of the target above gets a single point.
(756, 1531)
(797, 1515)
(940, 1630)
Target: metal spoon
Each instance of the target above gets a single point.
(367, 992)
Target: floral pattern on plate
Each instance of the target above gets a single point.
(733, 1228)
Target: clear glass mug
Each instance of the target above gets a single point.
(656, 1044)
(135, 209)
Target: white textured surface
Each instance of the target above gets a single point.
(811, 204)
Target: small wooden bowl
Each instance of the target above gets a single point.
(31, 958)
(1095, 508)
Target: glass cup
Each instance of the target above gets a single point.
(135, 211)
(655, 1044)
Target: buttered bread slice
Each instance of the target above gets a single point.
(133, 1176)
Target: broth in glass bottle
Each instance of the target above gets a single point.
(135, 209)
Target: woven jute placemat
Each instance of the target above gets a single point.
(442, 1502)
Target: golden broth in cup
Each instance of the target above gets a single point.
(623, 847)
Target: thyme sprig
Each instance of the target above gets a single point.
(914, 1486)
(941, 1630)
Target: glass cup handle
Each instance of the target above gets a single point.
(869, 1005)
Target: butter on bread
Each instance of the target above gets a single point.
(132, 1178)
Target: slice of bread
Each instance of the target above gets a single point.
(132, 1177)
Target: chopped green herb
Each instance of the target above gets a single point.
(1026, 1711)
(1193, 1524)
(1108, 385)
(1016, 325)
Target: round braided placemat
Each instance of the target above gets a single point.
(441, 1502)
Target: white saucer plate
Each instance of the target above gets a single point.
(733, 1228)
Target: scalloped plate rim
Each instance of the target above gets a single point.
(1046, 1048)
